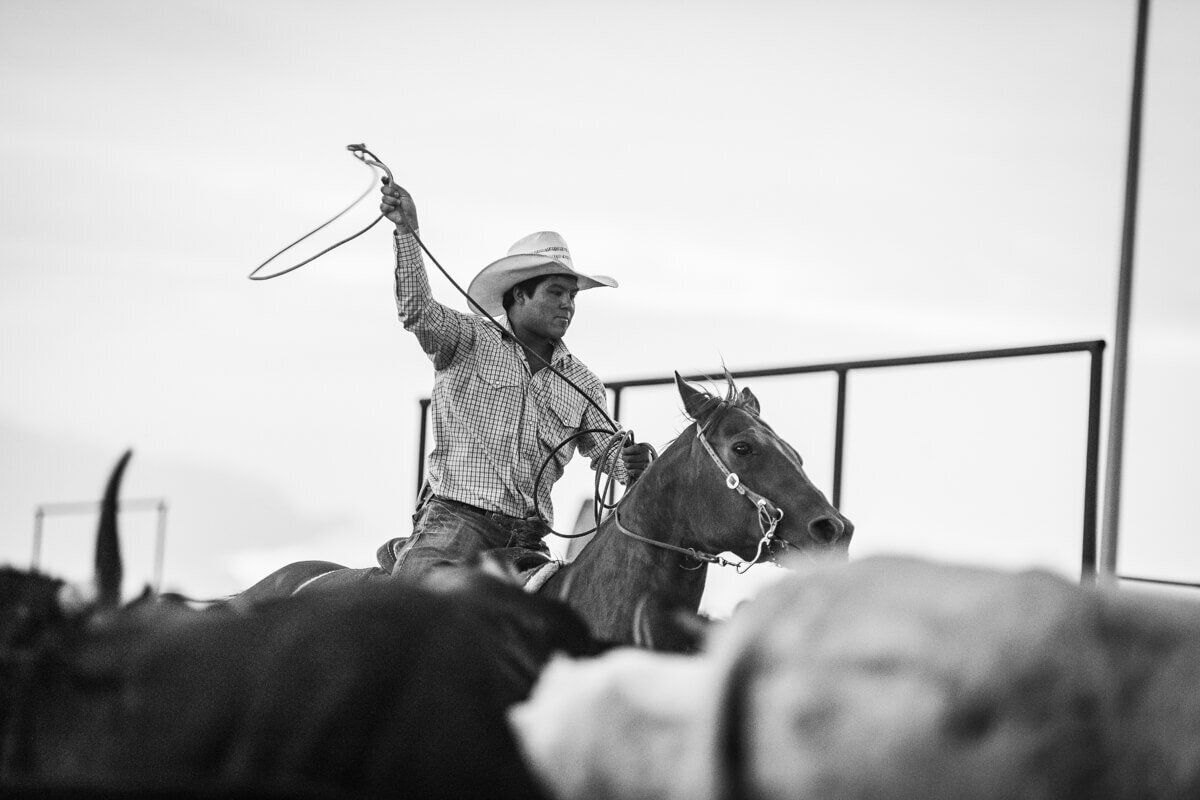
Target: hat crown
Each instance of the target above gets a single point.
(546, 244)
(538, 254)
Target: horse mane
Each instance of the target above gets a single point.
(715, 402)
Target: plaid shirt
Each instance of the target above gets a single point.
(495, 423)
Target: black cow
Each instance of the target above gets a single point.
(392, 690)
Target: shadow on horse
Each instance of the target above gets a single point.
(727, 484)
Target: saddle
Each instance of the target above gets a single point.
(523, 566)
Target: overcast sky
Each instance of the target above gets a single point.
(773, 183)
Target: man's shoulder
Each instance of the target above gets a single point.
(582, 374)
(482, 338)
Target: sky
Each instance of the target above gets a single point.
(773, 184)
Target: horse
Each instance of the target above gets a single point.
(694, 503)
(728, 483)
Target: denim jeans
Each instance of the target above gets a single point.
(445, 533)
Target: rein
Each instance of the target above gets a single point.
(687, 551)
(768, 514)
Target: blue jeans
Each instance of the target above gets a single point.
(447, 533)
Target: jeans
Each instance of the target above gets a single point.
(445, 533)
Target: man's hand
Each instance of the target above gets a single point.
(636, 456)
(398, 206)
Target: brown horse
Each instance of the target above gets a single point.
(727, 484)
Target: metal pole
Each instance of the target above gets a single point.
(612, 489)
(1116, 407)
(421, 452)
(160, 546)
(839, 439)
(39, 516)
(1091, 470)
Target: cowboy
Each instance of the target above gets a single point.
(506, 393)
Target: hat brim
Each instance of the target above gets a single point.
(488, 287)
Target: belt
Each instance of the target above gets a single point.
(475, 509)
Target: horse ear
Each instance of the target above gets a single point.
(750, 401)
(694, 400)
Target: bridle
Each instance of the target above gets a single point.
(768, 514)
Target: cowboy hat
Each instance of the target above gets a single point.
(538, 254)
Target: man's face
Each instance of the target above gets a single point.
(549, 311)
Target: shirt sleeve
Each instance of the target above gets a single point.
(441, 330)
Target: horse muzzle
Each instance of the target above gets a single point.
(825, 536)
(831, 530)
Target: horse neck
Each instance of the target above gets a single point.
(622, 568)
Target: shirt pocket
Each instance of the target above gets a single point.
(498, 375)
(492, 405)
(561, 418)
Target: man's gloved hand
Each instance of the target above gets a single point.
(636, 456)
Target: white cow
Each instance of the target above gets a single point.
(890, 678)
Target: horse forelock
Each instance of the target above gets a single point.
(728, 407)
(715, 408)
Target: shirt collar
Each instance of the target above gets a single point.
(560, 353)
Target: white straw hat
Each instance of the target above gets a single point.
(542, 253)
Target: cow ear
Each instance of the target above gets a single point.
(694, 400)
(750, 401)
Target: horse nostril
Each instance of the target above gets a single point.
(826, 529)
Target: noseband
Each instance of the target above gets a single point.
(769, 516)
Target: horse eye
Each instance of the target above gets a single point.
(742, 449)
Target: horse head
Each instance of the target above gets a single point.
(750, 493)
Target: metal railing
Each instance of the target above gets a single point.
(842, 369)
(156, 504)
(1160, 582)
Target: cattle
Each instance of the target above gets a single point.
(397, 689)
(891, 678)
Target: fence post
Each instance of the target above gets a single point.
(1087, 569)
(839, 438)
(421, 451)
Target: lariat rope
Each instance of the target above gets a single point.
(373, 163)
(614, 431)
(254, 276)
(607, 459)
